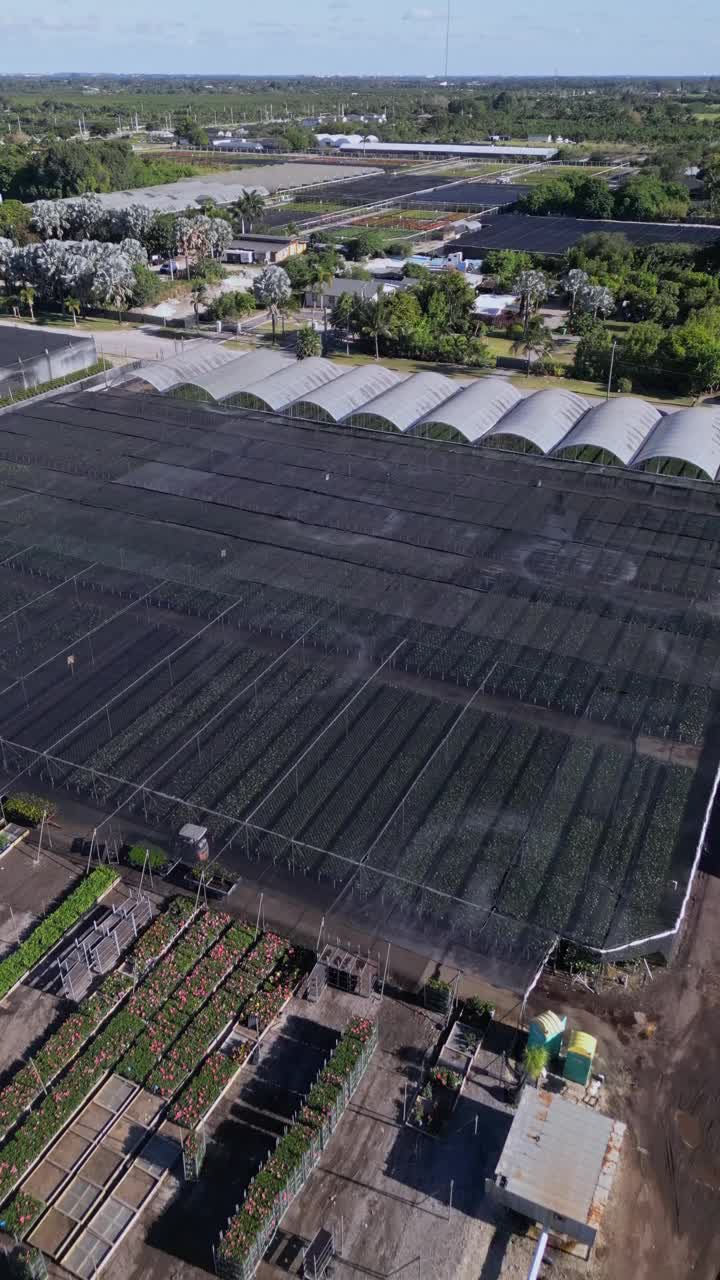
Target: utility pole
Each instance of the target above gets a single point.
(610, 372)
(447, 39)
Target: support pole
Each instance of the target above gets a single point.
(387, 961)
(538, 1256)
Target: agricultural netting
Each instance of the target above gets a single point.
(409, 678)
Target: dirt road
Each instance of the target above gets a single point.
(664, 1224)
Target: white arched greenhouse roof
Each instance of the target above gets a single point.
(474, 410)
(618, 426)
(690, 435)
(293, 383)
(410, 400)
(198, 361)
(238, 373)
(348, 393)
(543, 419)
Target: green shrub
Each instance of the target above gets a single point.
(156, 860)
(27, 809)
(51, 929)
(28, 392)
(624, 386)
(476, 1010)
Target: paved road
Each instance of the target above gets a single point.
(136, 344)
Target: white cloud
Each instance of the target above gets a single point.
(423, 15)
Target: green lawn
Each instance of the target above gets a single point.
(537, 176)
(582, 388)
(90, 324)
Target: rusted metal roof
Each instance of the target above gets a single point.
(560, 1156)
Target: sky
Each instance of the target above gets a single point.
(377, 37)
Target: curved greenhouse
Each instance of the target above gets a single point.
(610, 433)
(684, 443)
(538, 423)
(283, 388)
(402, 406)
(348, 393)
(471, 413)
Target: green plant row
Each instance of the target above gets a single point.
(27, 393)
(27, 809)
(66, 1041)
(51, 929)
(103, 1053)
(191, 1046)
(156, 857)
(273, 1178)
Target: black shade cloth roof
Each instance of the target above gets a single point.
(555, 235)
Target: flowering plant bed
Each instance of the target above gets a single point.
(165, 981)
(19, 1215)
(270, 1193)
(205, 1088)
(51, 929)
(103, 1053)
(59, 1049)
(161, 932)
(56, 1108)
(435, 1102)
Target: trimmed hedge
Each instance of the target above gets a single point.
(27, 393)
(52, 927)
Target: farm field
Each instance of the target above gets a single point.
(444, 697)
(383, 186)
(555, 235)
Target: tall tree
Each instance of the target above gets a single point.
(308, 343)
(272, 288)
(536, 342)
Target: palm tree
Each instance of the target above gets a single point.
(249, 208)
(376, 321)
(73, 306)
(27, 295)
(537, 341)
(199, 295)
(531, 285)
(320, 275)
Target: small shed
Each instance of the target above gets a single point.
(251, 248)
(558, 1164)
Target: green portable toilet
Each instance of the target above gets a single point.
(579, 1057)
(547, 1030)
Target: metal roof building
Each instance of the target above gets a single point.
(446, 149)
(689, 437)
(338, 399)
(288, 385)
(542, 420)
(616, 428)
(558, 1164)
(403, 405)
(473, 411)
(224, 188)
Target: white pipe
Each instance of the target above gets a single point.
(538, 1256)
